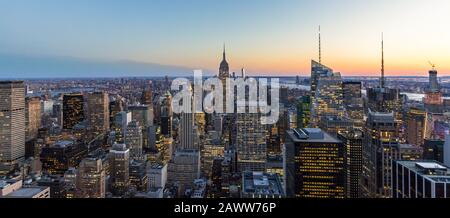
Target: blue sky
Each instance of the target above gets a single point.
(264, 36)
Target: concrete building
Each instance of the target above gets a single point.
(12, 124)
(261, 185)
(420, 179)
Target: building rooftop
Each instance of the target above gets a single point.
(63, 143)
(432, 170)
(157, 166)
(27, 192)
(428, 166)
(6, 183)
(312, 135)
(261, 183)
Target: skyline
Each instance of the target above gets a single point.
(143, 38)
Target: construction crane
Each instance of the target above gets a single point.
(432, 65)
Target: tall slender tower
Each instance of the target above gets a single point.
(320, 47)
(382, 82)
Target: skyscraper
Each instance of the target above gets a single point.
(433, 149)
(315, 165)
(416, 126)
(59, 157)
(381, 136)
(32, 117)
(147, 97)
(184, 168)
(144, 115)
(12, 124)
(98, 112)
(73, 110)
(166, 115)
(353, 102)
(116, 105)
(353, 141)
(228, 119)
(121, 121)
(433, 95)
(326, 94)
(134, 139)
(251, 144)
(382, 98)
(420, 179)
(318, 70)
(119, 157)
(224, 72)
(433, 80)
(186, 131)
(304, 111)
(381, 148)
(91, 176)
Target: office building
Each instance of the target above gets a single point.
(32, 117)
(166, 115)
(138, 176)
(183, 169)
(186, 131)
(56, 185)
(381, 135)
(121, 121)
(134, 139)
(62, 155)
(353, 142)
(12, 124)
(261, 185)
(142, 113)
(353, 102)
(328, 99)
(420, 179)
(119, 157)
(98, 113)
(251, 144)
(315, 164)
(92, 178)
(433, 149)
(73, 110)
(318, 71)
(417, 128)
(303, 111)
(157, 175)
(147, 96)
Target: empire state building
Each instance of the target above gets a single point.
(224, 74)
(224, 70)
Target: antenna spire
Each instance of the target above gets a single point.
(320, 47)
(224, 51)
(382, 62)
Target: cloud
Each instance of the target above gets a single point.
(27, 66)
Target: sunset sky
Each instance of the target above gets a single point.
(264, 36)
